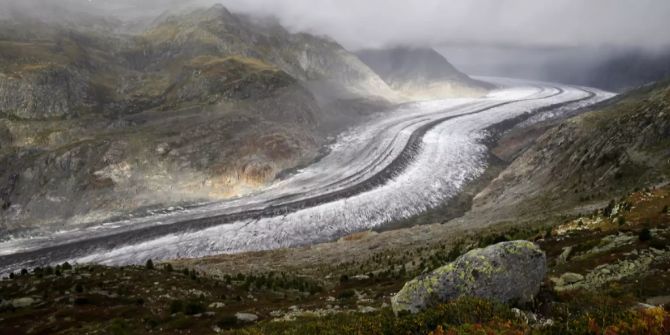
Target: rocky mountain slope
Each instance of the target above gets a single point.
(99, 120)
(587, 159)
(421, 73)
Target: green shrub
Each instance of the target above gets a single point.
(644, 235)
(82, 301)
(176, 306)
(227, 322)
(346, 294)
(194, 307)
(150, 264)
(119, 327)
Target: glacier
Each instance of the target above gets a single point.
(370, 177)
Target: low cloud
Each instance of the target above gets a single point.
(375, 23)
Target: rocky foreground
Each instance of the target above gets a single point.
(606, 271)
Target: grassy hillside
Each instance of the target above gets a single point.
(353, 298)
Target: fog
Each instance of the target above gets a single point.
(494, 37)
(374, 23)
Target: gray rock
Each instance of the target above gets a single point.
(508, 271)
(246, 317)
(570, 278)
(216, 305)
(564, 255)
(366, 309)
(23, 302)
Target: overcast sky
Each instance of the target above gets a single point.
(537, 23)
(510, 23)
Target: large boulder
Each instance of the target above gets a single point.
(505, 272)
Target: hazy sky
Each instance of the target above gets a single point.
(372, 23)
(539, 23)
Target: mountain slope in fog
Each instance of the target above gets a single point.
(197, 106)
(421, 73)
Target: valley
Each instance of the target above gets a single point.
(280, 167)
(373, 174)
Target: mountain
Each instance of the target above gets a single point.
(619, 71)
(421, 73)
(99, 120)
(586, 160)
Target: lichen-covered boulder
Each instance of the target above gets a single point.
(508, 271)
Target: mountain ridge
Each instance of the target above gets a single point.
(421, 73)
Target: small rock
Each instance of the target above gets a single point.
(216, 305)
(569, 278)
(246, 317)
(366, 309)
(659, 300)
(563, 257)
(23, 302)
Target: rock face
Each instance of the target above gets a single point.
(42, 92)
(508, 271)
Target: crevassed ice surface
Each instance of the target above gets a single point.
(450, 154)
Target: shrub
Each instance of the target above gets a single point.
(346, 294)
(79, 288)
(194, 307)
(168, 267)
(665, 209)
(344, 278)
(227, 322)
(176, 306)
(659, 244)
(81, 301)
(66, 266)
(150, 264)
(644, 235)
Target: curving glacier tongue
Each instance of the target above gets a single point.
(450, 155)
(371, 176)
